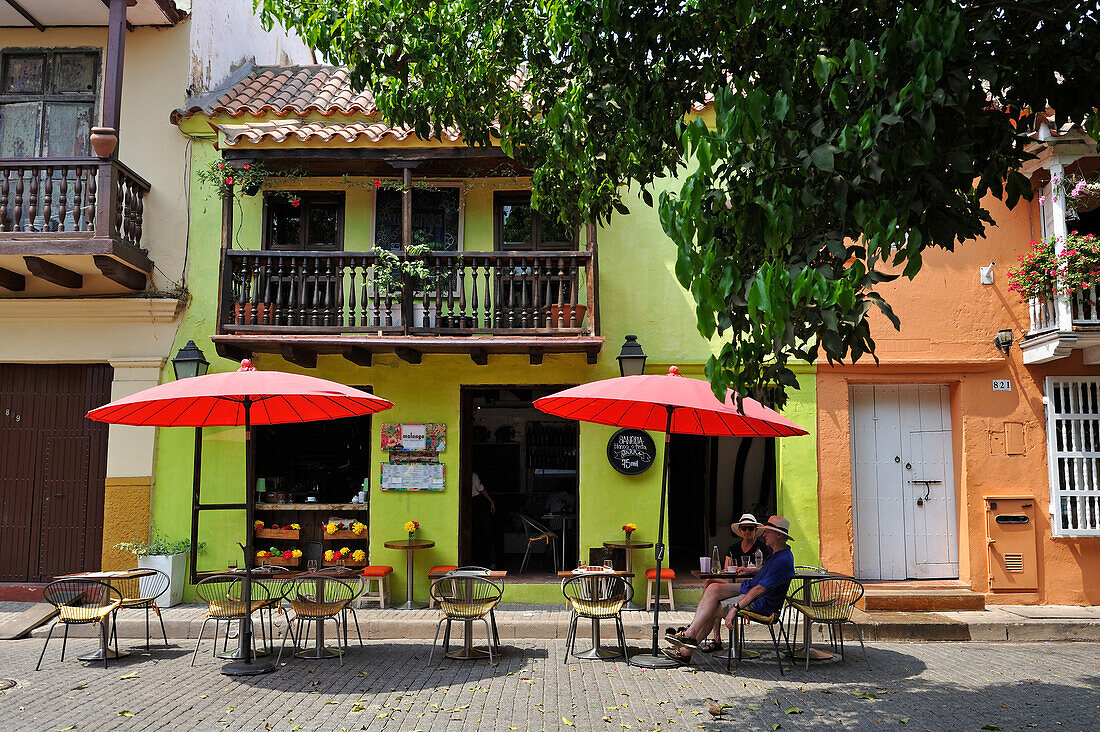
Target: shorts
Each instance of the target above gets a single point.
(728, 602)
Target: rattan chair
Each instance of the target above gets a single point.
(492, 613)
(141, 593)
(222, 594)
(318, 597)
(536, 533)
(742, 617)
(596, 597)
(464, 597)
(81, 602)
(350, 576)
(829, 601)
(269, 576)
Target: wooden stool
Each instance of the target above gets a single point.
(380, 574)
(433, 570)
(651, 577)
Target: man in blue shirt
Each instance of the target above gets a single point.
(754, 593)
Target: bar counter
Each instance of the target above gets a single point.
(311, 507)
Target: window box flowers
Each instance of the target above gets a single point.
(279, 558)
(275, 531)
(1043, 273)
(340, 530)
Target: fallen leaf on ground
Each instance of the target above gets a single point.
(793, 710)
(865, 694)
(66, 729)
(567, 722)
(131, 675)
(990, 726)
(125, 713)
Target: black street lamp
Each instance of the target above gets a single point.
(189, 362)
(631, 357)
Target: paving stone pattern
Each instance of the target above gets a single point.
(388, 685)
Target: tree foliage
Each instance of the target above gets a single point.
(848, 135)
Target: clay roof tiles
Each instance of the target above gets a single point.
(282, 130)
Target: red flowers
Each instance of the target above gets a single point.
(247, 166)
(295, 202)
(377, 182)
(229, 181)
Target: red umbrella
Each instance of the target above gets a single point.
(670, 404)
(243, 397)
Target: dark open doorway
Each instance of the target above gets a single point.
(526, 463)
(712, 481)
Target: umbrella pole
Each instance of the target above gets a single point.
(247, 666)
(654, 659)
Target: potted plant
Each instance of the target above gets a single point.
(167, 555)
(1043, 273)
(248, 178)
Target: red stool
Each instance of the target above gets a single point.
(667, 575)
(433, 570)
(381, 575)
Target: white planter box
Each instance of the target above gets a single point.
(175, 566)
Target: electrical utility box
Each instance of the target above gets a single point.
(1010, 534)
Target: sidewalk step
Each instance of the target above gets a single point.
(911, 598)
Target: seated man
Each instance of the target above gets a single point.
(719, 599)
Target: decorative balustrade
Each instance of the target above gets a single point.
(465, 293)
(52, 197)
(1084, 307)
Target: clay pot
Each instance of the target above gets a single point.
(261, 313)
(104, 141)
(566, 313)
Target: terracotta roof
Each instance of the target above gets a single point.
(1047, 118)
(282, 91)
(281, 130)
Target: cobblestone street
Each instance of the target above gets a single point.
(390, 686)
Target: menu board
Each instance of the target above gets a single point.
(413, 477)
(404, 437)
(630, 451)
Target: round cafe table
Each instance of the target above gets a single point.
(629, 545)
(410, 545)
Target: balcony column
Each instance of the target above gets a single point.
(116, 50)
(1059, 232)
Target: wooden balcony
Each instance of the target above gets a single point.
(1062, 324)
(301, 304)
(71, 226)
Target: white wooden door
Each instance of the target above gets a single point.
(903, 493)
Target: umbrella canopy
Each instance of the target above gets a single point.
(674, 405)
(642, 402)
(216, 400)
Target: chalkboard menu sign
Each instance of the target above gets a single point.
(630, 451)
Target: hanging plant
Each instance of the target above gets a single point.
(394, 272)
(227, 180)
(1081, 194)
(1042, 273)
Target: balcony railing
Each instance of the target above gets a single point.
(70, 198)
(1084, 311)
(466, 293)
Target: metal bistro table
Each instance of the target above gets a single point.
(409, 546)
(596, 651)
(106, 577)
(628, 545)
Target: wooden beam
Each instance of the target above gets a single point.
(479, 356)
(357, 355)
(118, 272)
(58, 275)
(593, 354)
(409, 355)
(303, 357)
(536, 355)
(30, 18)
(112, 81)
(397, 157)
(12, 280)
(233, 353)
(129, 4)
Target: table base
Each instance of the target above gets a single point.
(747, 654)
(411, 605)
(237, 654)
(318, 654)
(645, 660)
(815, 655)
(598, 652)
(240, 668)
(97, 655)
(467, 654)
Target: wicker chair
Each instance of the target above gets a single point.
(596, 598)
(464, 597)
(277, 587)
(141, 593)
(742, 617)
(222, 594)
(81, 602)
(536, 533)
(829, 601)
(318, 597)
(349, 576)
(492, 613)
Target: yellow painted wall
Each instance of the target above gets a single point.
(125, 518)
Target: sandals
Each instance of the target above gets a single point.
(679, 659)
(682, 640)
(674, 631)
(710, 646)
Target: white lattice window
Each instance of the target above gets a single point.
(1073, 453)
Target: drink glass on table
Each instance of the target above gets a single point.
(311, 565)
(608, 565)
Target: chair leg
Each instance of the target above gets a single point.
(435, 640)
(447, 637)
(202, 628)
(554, 553)
(114, 626)
(729, 649)
(339, 649)
(648, 594)
(106, 648)
(860, 636)
(48, 635)
(357, 633)
(64, 641)
(622, 638)
(160, 617)
(493, 621)
(671, 601)
(488, 636)
(775, 644)
(526, 557)
(809, 635)
(283, 644)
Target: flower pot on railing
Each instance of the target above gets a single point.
(566, 316)
(104, 141)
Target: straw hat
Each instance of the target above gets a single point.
(779, 525)
(746, 518)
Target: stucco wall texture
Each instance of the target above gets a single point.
(125, 518)
(948, 321)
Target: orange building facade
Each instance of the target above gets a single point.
(951, 459)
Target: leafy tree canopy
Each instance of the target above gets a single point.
(849, 135)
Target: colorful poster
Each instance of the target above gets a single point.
(413, 477)
(403, 437)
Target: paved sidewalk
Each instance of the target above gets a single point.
(390, 686)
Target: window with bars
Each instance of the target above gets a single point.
(1073, 454)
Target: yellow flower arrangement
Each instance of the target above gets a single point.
(328, 555)
(331, 527)
(296, 553)
(358, 528)
(358, 555)
(296, 527)
(628, 528)
(411, 526)
(345, 550)
(258, 525)
(261, 554)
